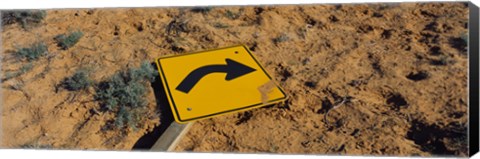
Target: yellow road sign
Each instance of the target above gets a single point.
(204, 84)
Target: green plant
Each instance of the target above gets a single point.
(201, 9)
(77, 81)
(177, 43)
(67, 41)
(177, 26)
(231, 15)
(442, 60)
(33, 52)
(465, 45)
(124, 94)
(281, 38)
(220, 25)
(464, 37)
(24, 17)
(24, 69)
(129, 117)
(36, 146)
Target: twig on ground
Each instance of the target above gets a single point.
(344, 100)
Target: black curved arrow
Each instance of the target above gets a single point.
(233, 69)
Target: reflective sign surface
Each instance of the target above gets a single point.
(205, 84)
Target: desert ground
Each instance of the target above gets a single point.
(361, 79)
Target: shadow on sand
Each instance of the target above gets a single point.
(166, 117)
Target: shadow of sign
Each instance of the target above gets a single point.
(166, 117)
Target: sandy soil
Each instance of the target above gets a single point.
(362, 79)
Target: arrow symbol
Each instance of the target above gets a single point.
(233, 69)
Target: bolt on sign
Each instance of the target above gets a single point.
(209, 83)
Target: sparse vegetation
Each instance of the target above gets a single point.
(124, 94)
(36, 146)
(231, 15)
(220, 25)
(177, 26)
(440, 140)
(12, 74)
(201, 9)
(32, 52)
(77, 81)
(442, 60)
(464, 37)
(67, 41)
(177, 43)
(281, 38)
(25, 18)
